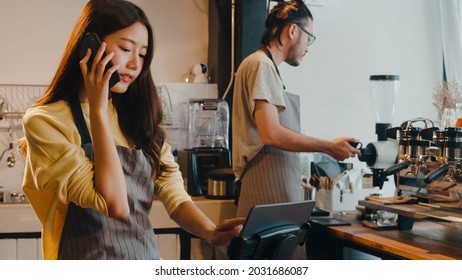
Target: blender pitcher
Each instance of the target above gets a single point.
(208, 123)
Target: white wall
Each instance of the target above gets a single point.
(34, 33)
(33, 37)
(181, 31)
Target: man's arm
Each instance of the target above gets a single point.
(274, 134)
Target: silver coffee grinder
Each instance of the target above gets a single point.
(380, 155)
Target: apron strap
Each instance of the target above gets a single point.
(79, 119)
(237, 191)
(270, 56)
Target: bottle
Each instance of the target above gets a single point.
(448, 118)
(458, 115)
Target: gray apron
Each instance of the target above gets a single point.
(274, 175)
(88, 234)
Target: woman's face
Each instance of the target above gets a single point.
(130, 46)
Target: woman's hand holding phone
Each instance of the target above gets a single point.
(97, 70)
(91, 41)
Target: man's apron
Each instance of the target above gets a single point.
(273, 176)
(88, 234)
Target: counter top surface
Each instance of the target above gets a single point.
(427, 240)
(21, 218)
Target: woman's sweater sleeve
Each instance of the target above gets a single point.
(55, 161)
(169, 184)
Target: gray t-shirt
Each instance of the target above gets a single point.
(256, 79)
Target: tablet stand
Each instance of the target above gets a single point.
(274, 243)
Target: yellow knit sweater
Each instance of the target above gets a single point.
(58, 172)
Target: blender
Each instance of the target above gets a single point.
(382, 155)
(208, 146)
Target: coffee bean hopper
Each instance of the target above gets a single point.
(380, 155)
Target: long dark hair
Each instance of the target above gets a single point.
(282, 14)
(140, 108)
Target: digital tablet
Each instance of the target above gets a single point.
(264, 217)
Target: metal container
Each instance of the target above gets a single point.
(439, 139)
(453, 144)
(12, 197)
(221, 184)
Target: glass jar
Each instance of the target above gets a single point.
(458, 115)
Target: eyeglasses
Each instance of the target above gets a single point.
(311, 37)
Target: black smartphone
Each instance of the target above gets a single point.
(91, 41)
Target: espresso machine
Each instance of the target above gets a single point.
(429, 165)
(444, 178)
(426, 162)
(449, 154)
(207, 143)
(417, 154)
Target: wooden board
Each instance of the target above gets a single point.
(417, 211)
(427, 240)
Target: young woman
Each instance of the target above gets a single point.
(96, 157)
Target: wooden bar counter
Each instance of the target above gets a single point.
(427, 240)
